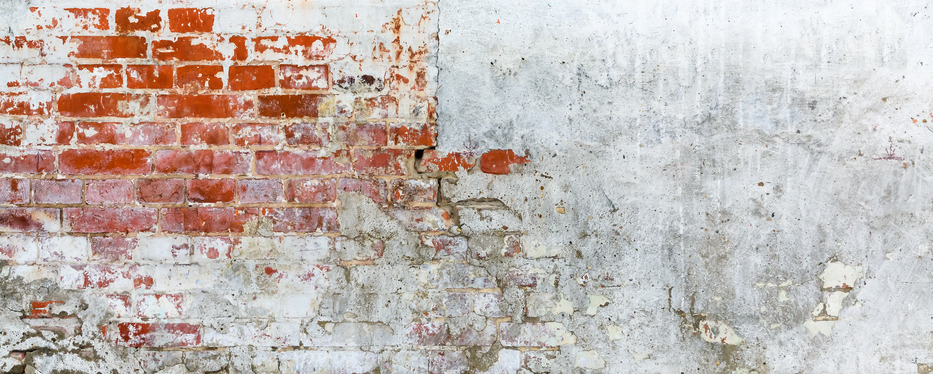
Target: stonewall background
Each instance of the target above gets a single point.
(465, 186)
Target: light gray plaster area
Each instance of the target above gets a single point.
(711, 159)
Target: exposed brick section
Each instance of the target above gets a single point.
(258, 77)
(432, 161)
(245, 134)
(24, 104)
(160, 190)
(109, 220)
(204, 106)
(11, 133)
(384, 162)
(206, 220)
(14, 191)
(185, 48)
(302, 47)
(109, 47)
(27, 162)
(202, 162)
(29, 220)
(498, 161)
(133, 20)
(100, 76)
(109, 191)
(311, 190)
(57, 191)
(298, 134)
(149, 76)
(198, 77)
(413, 135)
(290, 106)
(199, 133)
(105, 162)
(374, 188)
(260, 191)
(362, 134)
(112, 249)
(162, 335)
(211, 190)
(304, 77)
(296, 163)
(191, 20)
(91, 19)
(92, 104)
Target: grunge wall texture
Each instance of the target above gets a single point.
(456, 186)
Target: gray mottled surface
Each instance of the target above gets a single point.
(712, 158)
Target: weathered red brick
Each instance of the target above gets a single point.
(211, 248)
(306, 134)
(303, 219)
(198, 77)
(246, 134)
(455, 247)
(11, 133)
(48, 132)
(199, 133)
(93, 220)
(29, 220)
(159, 305)
(311, 190)
(260, 191)
(206, 220)
(149, 76)
(119, 305)
(412, 135)
(191, 19)
(185, 48)
(162, 335)
(14, 191)
(381, 162)
(376, 107)
(108, 47)
(373, 188)
(300, 46)
(204, 106)
(160, 190)
(112, 249)
(95, 104)
(290, 106)
(105, 162)
(100, 76)
(497, 161)
(91, 19)
(99, 133)
(408, 191)
(251, 77)
(56, 191)
(202, 162)
(240, 51)
(109, 191)
(353, 134)
(304, 77)
(151, 133)
(21, 47)
(297, 163)
(28, 161)
(44, 76)
(92, 133)
(132, 19)
(105, 276)
(24, 104)
(211, 190)
(428, 333)
(432, 161)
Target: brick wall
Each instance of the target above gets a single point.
(242, 188)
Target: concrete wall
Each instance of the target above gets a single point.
(464, 186)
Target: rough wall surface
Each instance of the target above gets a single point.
(464, 186)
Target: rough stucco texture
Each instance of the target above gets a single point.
(464, 187)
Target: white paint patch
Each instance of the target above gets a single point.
(589, 360)
(839, 275)
(596, 302)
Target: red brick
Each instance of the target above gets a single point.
(146, 133)
(29, 220)
(11, 133)
(159, 305)
(202, 162)
(22, 104)
(105, 162)
(132, 19)
(92, 19)
(160, 190)
(100, 76)
(108, 47)
(290, 106)
(112, 249)
(206, 220)
(191, 20)
(432, 161)
(56, 191)
(185, 48)
(149, 76)
(311, 190)
(407, 191)
(454, 247)
(373, 188)
(48, 132)
(151, 133)
(297, 163)
(107, 277)
(99, 133)
(198, 77)
(40, 309)
(92, 220)
(353, 134)
(95, 104)
(497, 161)
(246, 134)
(205, 106)
(109, 191)
(242, 78)
(303, 219)
(381, 162)
(14, 191)
(27, 162)
(161, 335)
(306, 134)
(412, 135)
(260, 191)
(301, 46)
(304, 77)
(211, 190)
(240, 51)
(199, 133)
